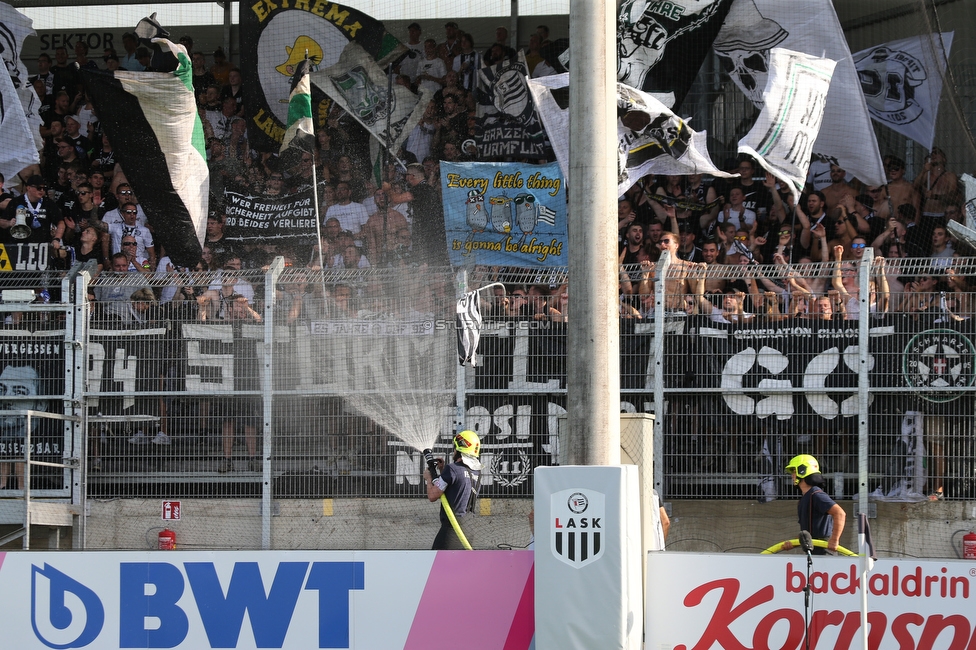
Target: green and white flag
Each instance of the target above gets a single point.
(359, 86)
(300, 134)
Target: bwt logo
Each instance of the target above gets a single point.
(67, 614)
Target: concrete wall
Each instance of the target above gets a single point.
(931, 530)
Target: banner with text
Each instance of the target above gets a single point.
(255, 217)
(505, 213)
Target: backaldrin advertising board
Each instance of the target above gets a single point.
(756, 602)
(289, 599)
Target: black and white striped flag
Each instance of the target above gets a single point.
(468, 327)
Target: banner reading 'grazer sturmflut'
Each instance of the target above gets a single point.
(279, 35)
(505, 213)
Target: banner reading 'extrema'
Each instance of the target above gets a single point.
(505, 213)
(279, 35)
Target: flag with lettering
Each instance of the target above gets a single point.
(361, 88)
(508, 122)
(753, 28)
(782, 138)
(902, 83)
(511, 214)
(279, 36)
(662, 45)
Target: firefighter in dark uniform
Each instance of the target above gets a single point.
(459, 483)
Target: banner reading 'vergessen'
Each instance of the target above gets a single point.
(255, 217)
(505, 213)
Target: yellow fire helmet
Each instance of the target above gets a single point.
(467, 443)
(803, 466)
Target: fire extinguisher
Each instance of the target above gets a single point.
(969, 546)
(167, 540)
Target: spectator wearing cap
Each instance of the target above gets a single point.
(687, 250)
(187, 41)
(41, 213)
(838, 188)
(112, 62)
(145, 247)
(221, 67)
(409, 65)
(451, 46)
(128, 61)
(900, 189)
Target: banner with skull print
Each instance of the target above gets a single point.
(505, 213)
(902, 83)
(782, 138)
(508, 124)
(651, 138)
(359, 86)
(662, 45)
(753, 27)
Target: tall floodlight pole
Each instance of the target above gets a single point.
(593, 372)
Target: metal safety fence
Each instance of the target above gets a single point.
(294, 383)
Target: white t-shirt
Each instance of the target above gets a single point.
(435, 68)
(352, 216)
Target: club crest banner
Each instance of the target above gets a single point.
(278, 37)
(902, 83)
(508, 123)
(505, 213)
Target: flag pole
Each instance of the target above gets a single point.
(318, 220)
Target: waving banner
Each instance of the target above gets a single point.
(505, 213)
(359, 86)
(662, 45)
(902, 83)
(782, 138)
(651, 138)
(279, 35)
(753, 27)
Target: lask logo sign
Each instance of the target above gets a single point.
(578, 524)
(64, 612)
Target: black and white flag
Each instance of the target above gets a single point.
(508, 123)
(782, 138)
(651, 139)
(753, 27)
(359, 86)
(662, 45)
(468, 327)
(20, 137)
(902, 83)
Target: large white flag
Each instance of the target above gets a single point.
(753, 27)
(902, 83)
(651, 139)
(14, 28)
(359, 85)
(782, 138)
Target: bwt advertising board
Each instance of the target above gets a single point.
(289, 599)
(696, 602)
